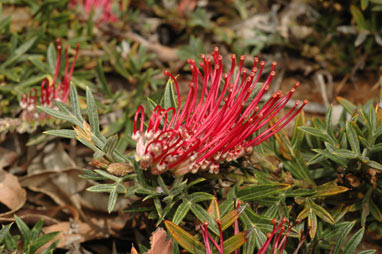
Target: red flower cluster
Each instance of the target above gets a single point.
(216, 123)
(49, 92)
(102, 9)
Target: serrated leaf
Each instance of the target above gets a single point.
(181, 212)
(259, 191)
(64, 133)
(184, 239)
(235, 242)
(353, 242)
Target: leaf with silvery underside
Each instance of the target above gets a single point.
(73, 98)
(64, 133)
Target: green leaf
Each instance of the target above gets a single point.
(375, 211)
(213, 209)
(339, 242)
(4, 231)
(55, 113)
(181, 212)
(52, 58)
(364, 4)
(231, 217)
(374, 165)
(19, 52)
(349, 107)
(297, 134)
(259, 191)
(40, 241)
(353, 242)
(321, 212)
(5, 22)
(107, 175)
(352, 138)
(102, 188)
(203, 216)
(329, 189)
(24, 230)
(109, 147)
(102, 79)
(235, 242)
(189, 242)
(93, 115)
(64, 133)
(73, 98)
(197, 197)
(358, 17)
(112, 199)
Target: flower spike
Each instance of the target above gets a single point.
(217, 121)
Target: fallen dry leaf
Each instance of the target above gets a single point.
(158, 242)
(12, 195)
(7, 157)
(72, 232)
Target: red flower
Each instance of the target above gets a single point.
(102, 9)
(214, 125)
(49, 92)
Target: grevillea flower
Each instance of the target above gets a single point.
(49, 92)
(217, 122)
(101, 8)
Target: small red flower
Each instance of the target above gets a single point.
(217, 121)
(49, 92)
(102, 9)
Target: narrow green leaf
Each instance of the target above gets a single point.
(24, 229)
(109, 147)
(213, 209)
(374, 165)
(5, 22)
(259, 191)
(321, 212)
(73, 98)
(181, 212)
(108, 175)
(93, 114)
(197, 197)
(4, 230)
(375, 211)
(353, 138)
(52, 58)
(358, 17)
(231, 217)
(329, 189)
(364, 4)
(101, 188)
(353, 242)
(235, 242)
(112, 199)
(102, 79)
(64, 133)
(19, 52)
(342, 236)
(40, 241)
(203, 216)
(189, 242)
